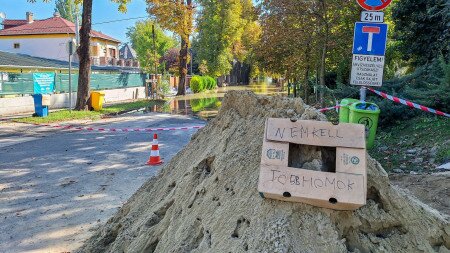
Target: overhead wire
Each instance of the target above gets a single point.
(98, 23)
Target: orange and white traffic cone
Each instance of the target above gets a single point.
(154, 155)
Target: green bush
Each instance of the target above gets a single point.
(201, 83)
(164, 86)
(209, 82)
(197, 84)
(212, 83)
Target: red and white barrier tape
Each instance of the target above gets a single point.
(408, 103)
(121, 129)
(329, 108)
(70, 127)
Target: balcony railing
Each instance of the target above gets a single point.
(110, 61)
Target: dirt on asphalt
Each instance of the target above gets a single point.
(432, 189)
(206, 200)
(57, 185)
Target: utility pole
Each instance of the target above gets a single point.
(77, 31)
(71, 49)
(154, 53)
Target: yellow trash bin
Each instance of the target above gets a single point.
(97, 99)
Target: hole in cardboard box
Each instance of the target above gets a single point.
(286, 194)
(312, 157)
(333, 201)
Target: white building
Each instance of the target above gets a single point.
(48, 38)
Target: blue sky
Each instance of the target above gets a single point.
(102, 10)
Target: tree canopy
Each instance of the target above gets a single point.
(68, 9)
(141, 37)
(178, 17)
(422, 28)
(224, 34)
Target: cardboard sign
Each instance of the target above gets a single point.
(345, 189)
(316, 133)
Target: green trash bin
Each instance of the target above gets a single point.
(367, 114)
(344, 110)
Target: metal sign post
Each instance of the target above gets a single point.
(71, 50)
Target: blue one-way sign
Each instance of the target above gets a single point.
(370, 39)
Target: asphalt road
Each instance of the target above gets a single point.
(56, 186)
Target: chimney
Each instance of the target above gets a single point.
(30, 17)
(56, 15)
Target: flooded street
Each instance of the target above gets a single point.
(206, 105)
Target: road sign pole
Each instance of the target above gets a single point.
(70, 82)
(362, 94)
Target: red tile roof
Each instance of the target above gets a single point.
(14, 22)
(54, 25)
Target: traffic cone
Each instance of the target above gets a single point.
(154, 155)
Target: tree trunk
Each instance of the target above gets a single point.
(322, 73)
(183, 65)
(307, 70)
(83, 51)
(184, 51)
(324, 52)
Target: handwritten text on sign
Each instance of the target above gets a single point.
(312, 182)
(347, 188)
(317, 133)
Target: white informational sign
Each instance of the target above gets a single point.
(372, 16)
(367, 70)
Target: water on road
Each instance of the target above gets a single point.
(206, 105)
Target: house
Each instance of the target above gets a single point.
(48, 38)
(128, 57)
(20, 63)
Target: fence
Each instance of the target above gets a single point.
(14, 83)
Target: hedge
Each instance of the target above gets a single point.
(201, 83)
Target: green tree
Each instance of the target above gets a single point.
(68, 9)
(302, 37)
(176, 16)
(141, 38)
(422, 29)
(83, 51)
(226, 31)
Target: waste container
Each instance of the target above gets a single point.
(366, 114)
(344, 110)
(97, 99)
(40, 109)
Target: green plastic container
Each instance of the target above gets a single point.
(344, 110)
(367, 117)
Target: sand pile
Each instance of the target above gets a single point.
(206, 200)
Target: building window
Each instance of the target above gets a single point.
(16, 45)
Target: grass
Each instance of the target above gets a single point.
(421, 134)
(66, 115)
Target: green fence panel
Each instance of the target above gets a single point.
(23, 83)
(17, 84)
